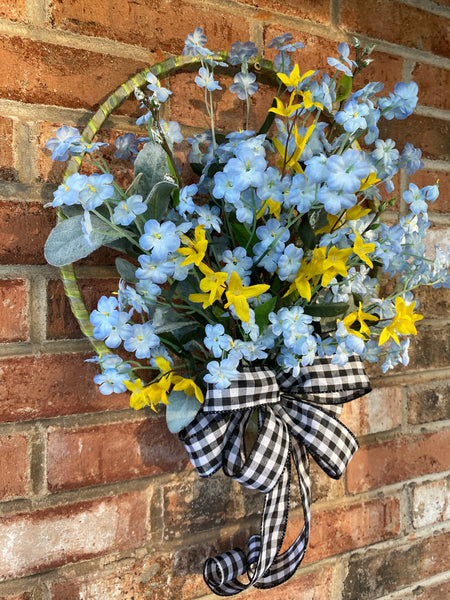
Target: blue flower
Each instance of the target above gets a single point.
(316, 169)
(247, 168)
(140, 339)
(119, 331)
(335, 200)
(240, 53)
(347, 171)
(205, 79)
(154, 86)
(244, 85)
(280, 40)
(416, 199)
(160, 238)
(186, 204)
(209, 217)
(172, 131)
(410, 159)
(271, 233)
(156, 271)
(96, 189)
(237, 260)
(105, 317)
(353, 116)
(289, 263)
(301, 194)
(344, 64)
(68, 193)
(126, 145)
(401, 103)
(226, 186)
(385, 153)
(216, 340)
(111, 380)
(60, 145)
(127, 210)
(194, 43)
(222, 373)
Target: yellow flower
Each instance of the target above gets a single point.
(138, 398)
(361, 317)
(292, 161)
(285, 110)
(274, 208)
(356, 212)
(237, 295)
(195, 250)
(335, 264)
(308, 99)
(188, 386)
(361, 249)
(213, 282)
(370, 180)
(403, 322)
(294, 78)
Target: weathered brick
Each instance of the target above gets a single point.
(381, 410)
(24, 228)
(7, 162)
(14, 11)
(430, 503)
(13, 310)
(311, 586)
(428, 402)
(378, 465)
(45, 386)
(116, 452)
(13, 466)
(375, 574)
(353, 526)
(426, 177)
(61, 324)
(115, 19)
(433, 85)
(430, 348)
(63, 76)
(313, 10)
(436, 591)
(398, 23)
(429, 134)
(48, 538)
(196, 504)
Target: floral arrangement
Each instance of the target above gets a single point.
(271, 260)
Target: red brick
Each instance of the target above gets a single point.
(437, 591)
(106, 453)
(433, 85)
(374, 574)
(378, 465)
(397, 23)
(61, 75)
(428, 402)
(13, 466)
(13, 313)
(425, 177)
(311, 586)
(429, 134)
(313, 10)
(341, 529)
(385, 68)
(430, 503)
(51, 385)
(115, 19)
(434, 304)
(46, 539)
(14, 11)
(24, 228)
(61, 324)
(381, 410)
(7, 163)
(430, 349)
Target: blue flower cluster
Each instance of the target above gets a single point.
(274, 255)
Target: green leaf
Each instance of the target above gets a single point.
(343, 87)
(326, 310)
(159, 199)
(152, 162)
(166, 320)
(242, 235)
(306, 233)
(262, 312)
(181, 411)
(66, 243)
(126, 270)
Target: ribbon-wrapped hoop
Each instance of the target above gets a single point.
(297, 416)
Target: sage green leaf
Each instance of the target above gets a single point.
(326, 310)
(262, 312)
(152, 162)
(306, 233)
(181, 411)
(66, 243)
(158, 200)
(126, 270)
(343, 87)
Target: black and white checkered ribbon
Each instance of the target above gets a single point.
(297, 416)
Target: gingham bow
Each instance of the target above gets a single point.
(296, 416)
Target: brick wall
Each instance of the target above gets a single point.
(99, 502)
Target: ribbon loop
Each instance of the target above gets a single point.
(296, 416)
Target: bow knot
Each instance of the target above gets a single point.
(295, 416)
